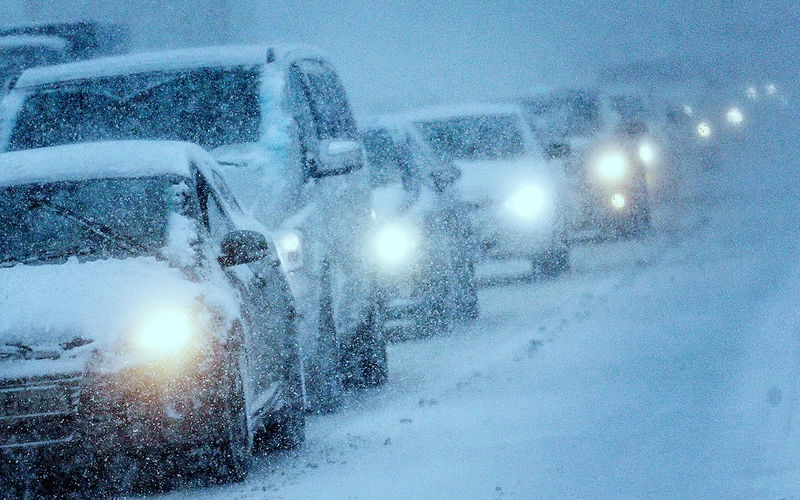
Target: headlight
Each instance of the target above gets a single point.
(166, 332)
(395, 245)
(529, 202)
(290, 249)
(704, 130)
(734, 116)
(612, 167)
(618, 201)
(647, 153)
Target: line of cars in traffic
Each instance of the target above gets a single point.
(199, 246)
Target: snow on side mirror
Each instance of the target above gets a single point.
(338, 156)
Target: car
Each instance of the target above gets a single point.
(517, 199)
(609, 157)
(278, 120)
(144, 316)
(26, 46)
(424, 252)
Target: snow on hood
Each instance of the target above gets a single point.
(104, 300)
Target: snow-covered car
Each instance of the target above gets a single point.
(517, 198)
(278, 120)
(142, 317)
(609, 156)
(423, 243)
(26, 46)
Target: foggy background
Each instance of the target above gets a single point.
(398, 55)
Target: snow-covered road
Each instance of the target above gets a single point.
(663, 367)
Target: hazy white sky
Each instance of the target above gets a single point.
(395, 55)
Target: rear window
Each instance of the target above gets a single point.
(483, 137)
(208, 106)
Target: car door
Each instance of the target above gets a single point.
(265, 307)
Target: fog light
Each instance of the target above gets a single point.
(618, 201)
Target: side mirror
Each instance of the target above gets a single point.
(338, 156)
(445, 176)
(557, 150)
(242, 247)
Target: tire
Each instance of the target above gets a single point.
(365, 361)
(466, 294)
(231, 451)
(324, 381)
(285, 431)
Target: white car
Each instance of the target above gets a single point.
(423, 244)
(518, 200)
(278, 120)
(143, 316)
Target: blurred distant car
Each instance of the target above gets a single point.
(278, 120)
(26, 46)
(606, 143)
(423, 243)
(141, 317)
(516, 198)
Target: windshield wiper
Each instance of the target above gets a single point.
(129, 245)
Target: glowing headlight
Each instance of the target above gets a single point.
(528, 202)
(704, 129)
(770, 89)
(395, 244)
(647, 153)
(618, 201)
(751, 92)
(166, 332)
(612, 167)
(734, 116)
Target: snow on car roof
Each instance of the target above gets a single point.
(50, 42)
(234, 55)
(98, 159)
(459, 110)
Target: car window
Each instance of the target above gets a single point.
(480, 137)
(327, 99)
(208, 106)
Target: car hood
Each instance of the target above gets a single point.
(51, 309)
(493, 180)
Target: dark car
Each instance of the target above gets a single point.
(609, 154)
(26, 46)
(144, 317)
(424, 246)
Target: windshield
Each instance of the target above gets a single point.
(483, 137)
(209, 106)
(91, 219)
(15, 59)
(564, 116)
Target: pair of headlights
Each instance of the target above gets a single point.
(614, 166)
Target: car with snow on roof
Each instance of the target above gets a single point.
(424, 254)
(144, 316)
(517, 199)
(278, 120)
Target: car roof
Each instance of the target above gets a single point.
(108, 159)
(459, 110)
(47, 41)
(170, 60)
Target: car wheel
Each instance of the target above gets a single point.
(365, 361)
(466, 294)
(231, 450)
(555, 262)
(286, 430)
(324, 384)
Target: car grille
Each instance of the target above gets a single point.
(38, 411)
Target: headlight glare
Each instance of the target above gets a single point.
(528, 202)
(612, 167)
(647, 153)
(395, 244)
(165, 332)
